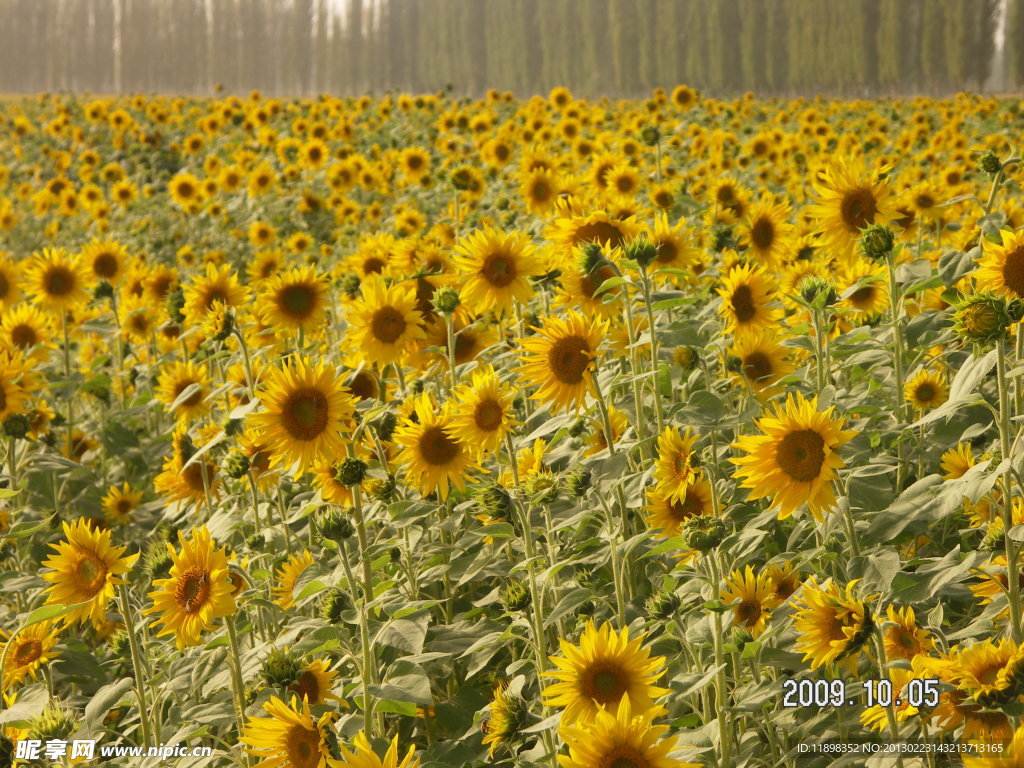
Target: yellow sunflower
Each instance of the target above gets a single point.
(676, 249)
(26, 328)
(433, 457)
(289, 738)
(783, 580)
(753, 597)
(107, 260)
(573, 228)
(173, 383)
(926, 389)
(385, 323)
(956, 461)
(57, 280)
(216, 284)
(86, 569)
(119, 503)
(667, 516)
(1011, 757)
(902, 637)
(185, 190)
(767, 230)
(866, 293)
(10, 277)
(17, 382)
(287, 575)
(28, 651)
(197, 591)
(559, 358)
(315, 682)
(1001, 268)
(795, 459)
(294, 300)
(674, 470)
(497, 267)
(507, 719)
(365, 757)
(832, 626)
(747, 293)
(762, 359)
(605, 667)
(482, 411)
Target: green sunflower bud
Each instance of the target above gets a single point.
(722, 238)
(650, 135)
(704, 532)
(237, 465)
(579, 481)
(350, 284)
(175, 303)
(281, 668)
(17, 425)
(819, 292)
(351, 472)
(989, 163)
(877, 242)
(515, 596)
(446, 300)
(493, 500)
(591, 257)
(333, 524)
(642, 251)
(662, 605)
(382, 490)
(981, 319)
(384, 425)
(334, 602)
(56, 722)
(103, 290)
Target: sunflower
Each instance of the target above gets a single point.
(25, 328)
(175, 380)
(497, 267)
(365, 757)
(925, 198)
(558, 359)
(529, 462)
(261, 234)
(767, 230)
(620, 739)
(17, 382)
(178, 482)
(325, 478)
(674, 470)
(1001, 268)
(753, 597)
(57, 280)
(598, 440)
(667, 516)
(107, 260)
(783, 580)
(384, 323)
(795, 459)
(989, 672)
(287, 576)
(265, 264)
(27, 651)
(831, 625)
(294, 300)
(432, 455)
(606, 667)
(508, 718)
(315, 682)
(867, 293)
(573, 228)
(216, 284)
(926, 389)
(197, 591)
(675, 246)
(289, 738)
(482, 414)
(956, 461)
(119, 503)
(877, 717)
(540, 188)
(185, 190)
(746, 295)
(10, 278)
(850, 198)
(306, 411)
(762, 359)
(902, 637)
(86, 569)
(579, 287)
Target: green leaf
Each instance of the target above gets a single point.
(403, 634)
(104, 700)
(48, 612)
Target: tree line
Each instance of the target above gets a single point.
(596, 47)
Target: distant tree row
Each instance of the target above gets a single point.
(596, 47)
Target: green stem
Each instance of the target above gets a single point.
(724, 741)
(1012, 551)
(137, 665)
(897, 354)
(645, 282)
(236, 677)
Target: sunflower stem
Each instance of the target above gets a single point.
(12, 461)
(236, 678)
(645, 283)
(450, 331)
(1012, 551)
(997, 180)
(895, 305)
(67, 375)
(368, 675)
(137, 665)
(890, 710)
(724, 744)
(246, 363)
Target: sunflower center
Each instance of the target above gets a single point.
(27, 651)
(784, 589)
(91, 573)
(540, 191)
(801, 455)
(757, 365)
(681, 464)
(569, 358)
(214, 295)
(5, 286)
(589, 283)
(193, 589)
(488, 415)
(307, 685)
(762, 234)
(363, 385)
(59, 281)
(622, 756)
(624, 184)
(748, 612)
(667, 252)
(499, 270)
(1013, 270)
(436, 447)
(925, 393)
(297, 301)
(681, 511)
(743, 303)
(604, 683)
(465, 345)
(303, 747)
(602, 232)
(373, 265)
(925, 201)
(192, 399)
(305, 413)
(863, 296)
(105, 265)
(24, 336)
(388, 325)
(858, 208)
(123, 506)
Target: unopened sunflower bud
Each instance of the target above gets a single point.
(175, 303)
(55, 723)
(502, 203)
(515, 596)
(156, 563)
(119, 645)
(818, 291)
(704, 532)
(543, 486)
(579, 481)
(686, 358)
(351, 472)
(384, 425)
(981, 319)
(281, 668)
(237, 465)
(733, 364)
(591, 257)
(494, 501)
(446, 300)
(989, 163)
(662, 605)
(741, 635)
(350, 284)
(17, 425)
(233, 427)
(103, 290)
(333, 603)
(722, 238)
(642, 251)
(333, 524)
(462, 179)
(650, 135)
(877, 242)
(382, 490)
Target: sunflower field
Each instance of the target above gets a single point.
(422, 431)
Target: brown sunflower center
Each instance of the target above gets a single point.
(681, 511)
(307, 685)
(757, 366)
(436, 448)
(59, 281)
(748, 612)
(568, 359)
(5, 286)
(123, 506)
(603, 232)
(589, 283)
(90, 573)
(925, 201)
(297, 301)
(363, 385)
(193, 589)
(105, 265)
(185, 190)
(465, 346)
(801, 455)
(624, 184)
(762, 234)
(373, 265)
(623, 756)
(863, 297)
(540, 191)
(681, 464)
(303, 747)
(743, 303)
(604, 683)
(27, 651)
(858, 208)
(499, 269)
(925, 393)
(488, 415)
(388, 325)
(24, 336)
(305, 413)
(193, 399)
(784, 588)
(667, 252)
(1013, 270)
